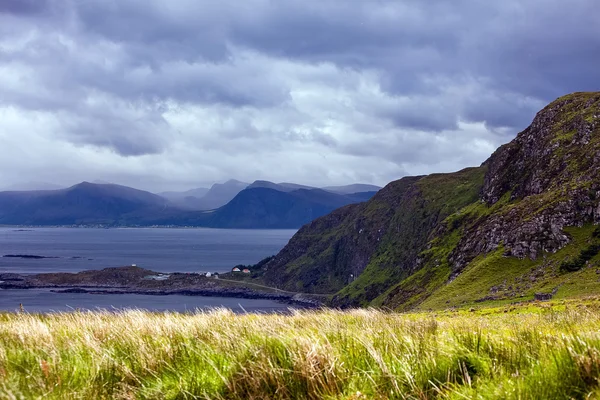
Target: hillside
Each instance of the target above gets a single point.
(520, 224)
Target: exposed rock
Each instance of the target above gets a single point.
(550, 173)
(542, 296)
(546, 179)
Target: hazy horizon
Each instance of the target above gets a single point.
(174, 95)
(36, 185)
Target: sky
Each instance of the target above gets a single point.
(170, 95)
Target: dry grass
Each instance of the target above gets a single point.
(546, 354)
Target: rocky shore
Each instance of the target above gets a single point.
(135, 280)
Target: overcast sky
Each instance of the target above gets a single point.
(176, 94)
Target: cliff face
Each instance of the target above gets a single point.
(550, 178)
(418, 235)
(559, 147)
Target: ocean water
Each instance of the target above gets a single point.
(162, 250)
(44, 301)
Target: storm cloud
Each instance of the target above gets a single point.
(171, 95)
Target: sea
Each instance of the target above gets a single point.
(158, 249)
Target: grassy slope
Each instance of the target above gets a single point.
(529, 351)
(493, 277)
(401, 244)
(433, 199)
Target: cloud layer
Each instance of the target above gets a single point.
(164, 95)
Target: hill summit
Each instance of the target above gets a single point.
(519, 225)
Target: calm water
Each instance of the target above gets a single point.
(163, 250)
(42, 300)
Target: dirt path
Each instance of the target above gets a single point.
(273, 288)
(257, 285)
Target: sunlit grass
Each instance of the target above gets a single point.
(540, 353)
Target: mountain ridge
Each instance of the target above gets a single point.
(115, 205)
(265, 207)
(531, 206)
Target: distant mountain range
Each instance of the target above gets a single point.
(220, 194)
(261, 207)
(204, 198)
(232, 204)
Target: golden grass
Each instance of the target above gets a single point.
(540, 353)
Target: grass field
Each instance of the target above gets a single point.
(527, 351)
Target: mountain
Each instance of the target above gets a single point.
(354, 188)
(294, 186)
(522, 225)
(282, 187)
(114, 205)
(189, 200)
(206, 199)
(197, 192)
(85, 203)
(289, 187)
(220, 194)
(263, 207)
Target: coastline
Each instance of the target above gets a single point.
(135, 280)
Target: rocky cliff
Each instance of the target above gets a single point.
(550, 176)
(528, 208)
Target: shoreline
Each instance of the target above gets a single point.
(135, 280)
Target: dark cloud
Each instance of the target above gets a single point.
(23, 7)
(206, 88)
(501, 110)
(127, 130)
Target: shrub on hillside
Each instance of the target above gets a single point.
(579, 262)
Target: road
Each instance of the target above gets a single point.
(270, 287)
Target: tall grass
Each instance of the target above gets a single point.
(362, 354)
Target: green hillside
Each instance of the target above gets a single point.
(520, 224)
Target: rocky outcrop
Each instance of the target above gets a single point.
(546, 179)
(559, 147)
(549, 176)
